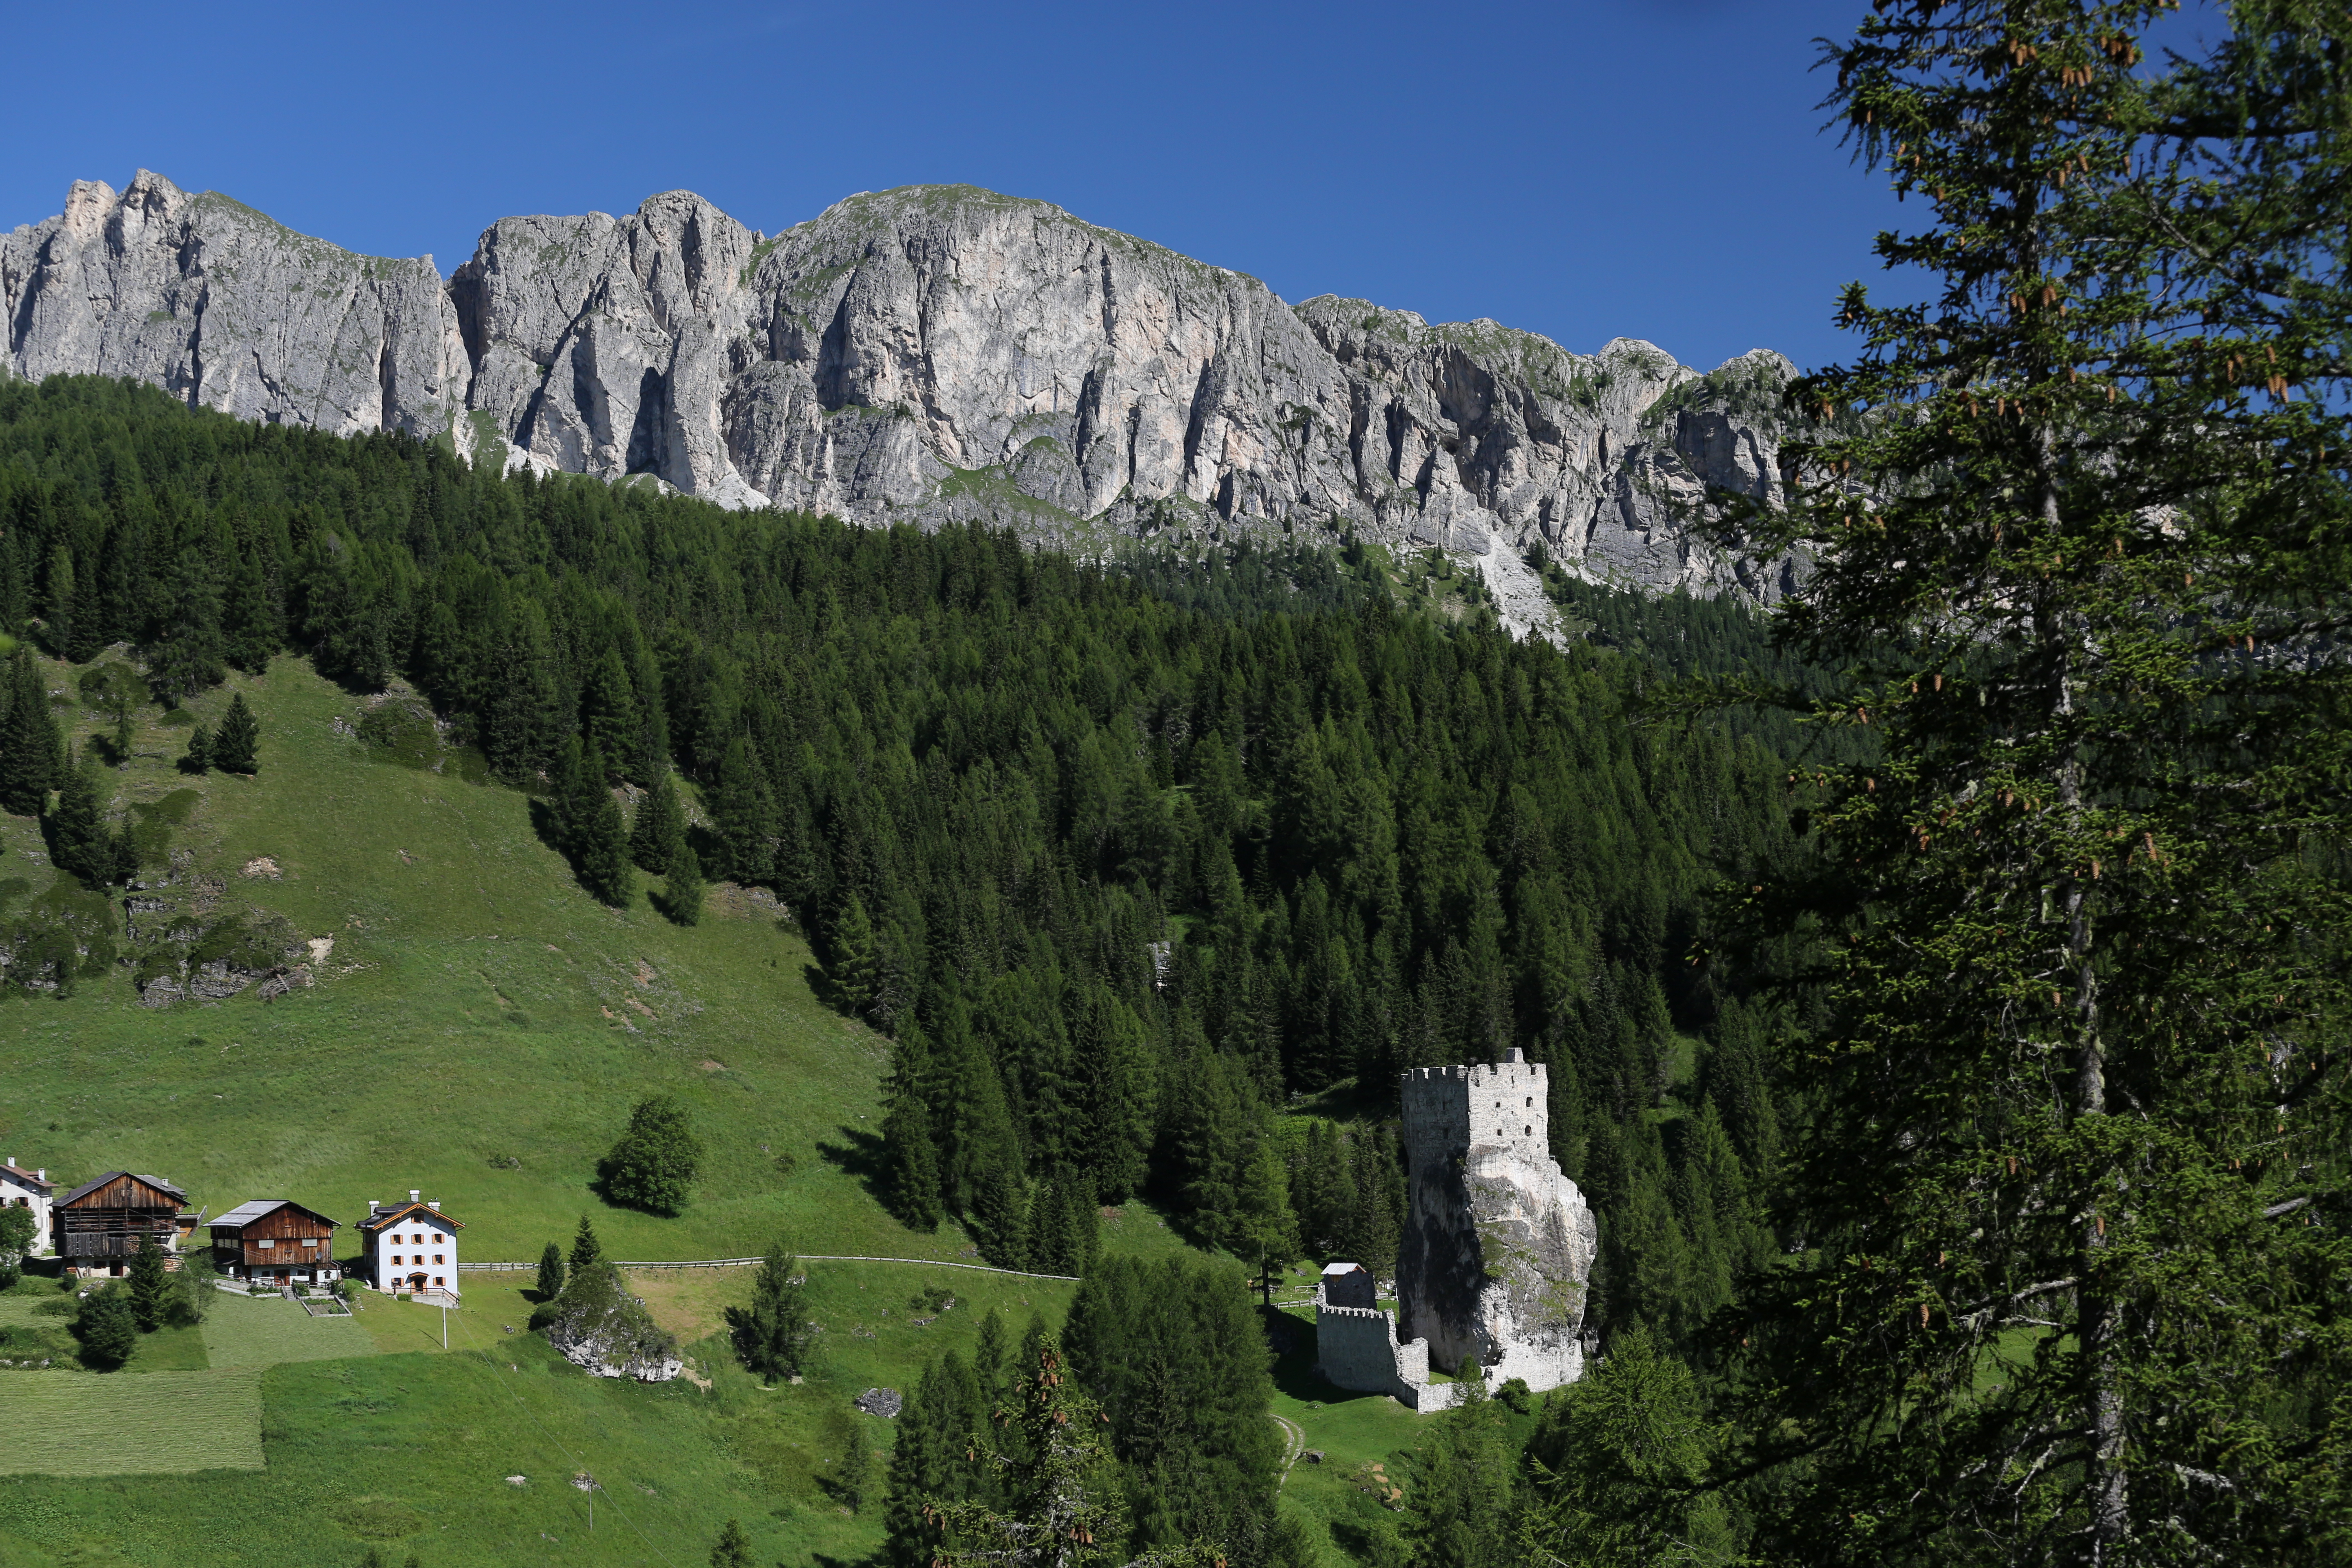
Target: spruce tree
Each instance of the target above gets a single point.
(733, 1547)
(909, 1145)
(551, 1270)
(930, 1459)
(976, 1126)
(1457, 1491)
(586, 1251)
(600, 836)
(684, 893)
(198, 759)
(29, 740)
(235, 744)
(654, 1165)
(771, 1334)
(568, 796)
(608, 715)
(853, 1467)
(991, 1356)
(660, 827)
(855, 967)
(1004, 1215)
(1051, 1466)
(79, 840)
(2079, 526)
(58, 601)
(744, 813)
(150, 1286)
(1049, 1226)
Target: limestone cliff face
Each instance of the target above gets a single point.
(213, 301)
(925, 354)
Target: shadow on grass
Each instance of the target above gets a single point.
(861, 1155)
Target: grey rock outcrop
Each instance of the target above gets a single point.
(1498, 1244)
(211, 300)
(927, 354)
(606, 1332)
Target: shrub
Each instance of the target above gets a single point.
(105, 1328)
(654, 1165)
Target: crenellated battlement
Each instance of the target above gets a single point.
(1327, 1310)
(1449, 1109)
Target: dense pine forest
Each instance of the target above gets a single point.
(1128, 859)
(1157, 870)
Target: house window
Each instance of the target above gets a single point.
(436, 1257)
(436, 1280)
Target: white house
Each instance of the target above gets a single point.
(22, 1189)
(410, 1247)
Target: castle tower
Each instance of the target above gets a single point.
(1499, 1244)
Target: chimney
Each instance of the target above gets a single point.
(42, 1174)
(373, 1206)
(434, 1205)
(413, 1195)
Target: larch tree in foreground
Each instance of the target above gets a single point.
(2072, 1286)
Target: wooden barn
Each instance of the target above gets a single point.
(98, 1224)
(275, 1241)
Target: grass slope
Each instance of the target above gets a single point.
(89, 1424)
(479, 1031)
(476, 1006)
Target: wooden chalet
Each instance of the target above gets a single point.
(275, 1241)
(98, 1224)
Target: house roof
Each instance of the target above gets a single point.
(158, 1182)
(244, 1214)
(25, 1178)
(398, 1212)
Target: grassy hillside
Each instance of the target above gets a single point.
(475, 1008)
(477, 1030)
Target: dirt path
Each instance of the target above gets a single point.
(1294, 1445)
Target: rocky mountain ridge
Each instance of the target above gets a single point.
(924, 355)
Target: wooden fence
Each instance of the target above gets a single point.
(753, 1262)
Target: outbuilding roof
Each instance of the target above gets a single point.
(247, 1213)
(158, 1182)
(1331, 1269)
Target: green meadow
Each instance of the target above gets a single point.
(478, 1030)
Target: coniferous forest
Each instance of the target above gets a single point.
(1123, 877)
(1942, 980)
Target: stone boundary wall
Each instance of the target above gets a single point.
(1356, 1348)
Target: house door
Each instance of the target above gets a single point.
(416, 1281)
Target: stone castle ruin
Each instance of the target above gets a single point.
(1498, 1247)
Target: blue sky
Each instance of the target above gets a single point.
(1585, 168)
